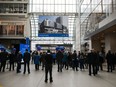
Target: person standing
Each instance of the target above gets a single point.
(0, 57)
(26, 61)
(75, 62)
(54, 58)
(109, 58)
(18, 59)
(101, 60)
(43, 60)
(59, 57)
(65, 61)
(92, 62)
(36, 60)
(3, 59)
(81, 61)
(12, 60)
(48, 66)
(69, 59)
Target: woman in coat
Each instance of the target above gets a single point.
(36, 60)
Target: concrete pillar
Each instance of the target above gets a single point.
(27, 28)
(78, 43)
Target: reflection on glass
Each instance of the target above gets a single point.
(11, 29)
(19, 29)
(3, 30)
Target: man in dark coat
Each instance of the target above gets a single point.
(26, 61)
(19, 58)
(4, 57)
(109, 58)
(12, 60)
(59, 57)
(48, 66)
(92, 61)
(75, 61)
(43, 59)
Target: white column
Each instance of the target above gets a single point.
(78, 38)
(90, 44)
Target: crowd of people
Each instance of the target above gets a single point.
(93, 61)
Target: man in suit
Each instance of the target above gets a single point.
(48, 66)
(26, 61)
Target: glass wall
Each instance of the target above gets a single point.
(11, 29)
(52, 8)
(64, 6)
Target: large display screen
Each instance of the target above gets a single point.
(53, 26)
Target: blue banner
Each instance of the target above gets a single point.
(53, 35)
(27, 40)
(60, 48)
(38, 48)
(23, 47)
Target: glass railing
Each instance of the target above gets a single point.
(108, 10)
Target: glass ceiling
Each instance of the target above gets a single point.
(53, 6)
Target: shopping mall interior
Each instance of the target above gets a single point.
(81, 25)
